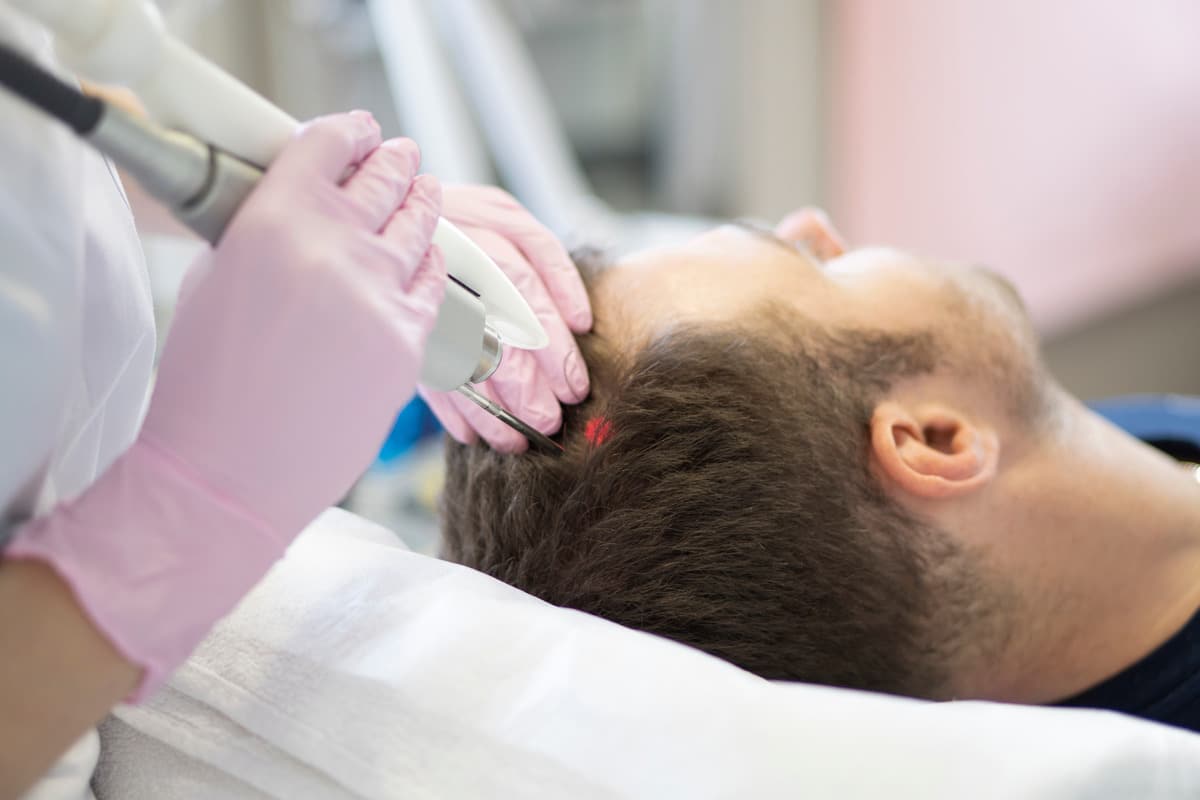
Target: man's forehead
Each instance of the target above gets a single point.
(718, 278)
(635, 300)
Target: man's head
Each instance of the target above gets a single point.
(775, 461)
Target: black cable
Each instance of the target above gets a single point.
(47, 92)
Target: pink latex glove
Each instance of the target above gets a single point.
(295, 345)
(530, 384)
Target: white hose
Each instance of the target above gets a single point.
(531, 150)
(427, 99)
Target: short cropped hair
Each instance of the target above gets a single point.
(715, 489)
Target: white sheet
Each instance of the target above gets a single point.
(358, 669)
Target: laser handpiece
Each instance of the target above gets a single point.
(203, 186)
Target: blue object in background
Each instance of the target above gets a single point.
(1169, 422)
(414, 423)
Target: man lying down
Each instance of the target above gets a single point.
(848, 468)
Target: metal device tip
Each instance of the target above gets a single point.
(536, 438)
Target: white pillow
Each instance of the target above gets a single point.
(358, 667)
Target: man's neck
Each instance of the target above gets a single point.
(1108, 539)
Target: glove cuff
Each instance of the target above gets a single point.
(153, 555)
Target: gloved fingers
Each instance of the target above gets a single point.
(560, 360)
(555, 267)
(524, 390)
(461, 418)
(421, 297)
(451, 418)
(415, 315)
(410, 229)
(812, 228)
(428, 283)
(562, 364)
(497, 210)
(382, 182)
(328, 145)
(499, 436)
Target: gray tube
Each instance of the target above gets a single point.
(201, 185)
(231, 181)
(172, 166)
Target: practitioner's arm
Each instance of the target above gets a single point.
(66, 679)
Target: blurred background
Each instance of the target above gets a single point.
(1054, 140)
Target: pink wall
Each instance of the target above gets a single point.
(1056, 140)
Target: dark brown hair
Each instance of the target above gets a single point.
(730, 507)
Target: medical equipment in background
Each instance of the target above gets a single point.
(426, 95)
(494, 76)
(531, 152)
(204, 170)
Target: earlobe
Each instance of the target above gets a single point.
(931, 451)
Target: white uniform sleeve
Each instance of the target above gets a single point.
(42, 241)
(43, 249)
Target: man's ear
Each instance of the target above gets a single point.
(931, 451)
(811, 227)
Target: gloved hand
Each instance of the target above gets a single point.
(295, 345)
(530, 384)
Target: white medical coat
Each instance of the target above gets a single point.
(76, 323)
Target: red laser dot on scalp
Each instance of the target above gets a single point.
(597, 431)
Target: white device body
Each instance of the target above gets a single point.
(125, 42)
